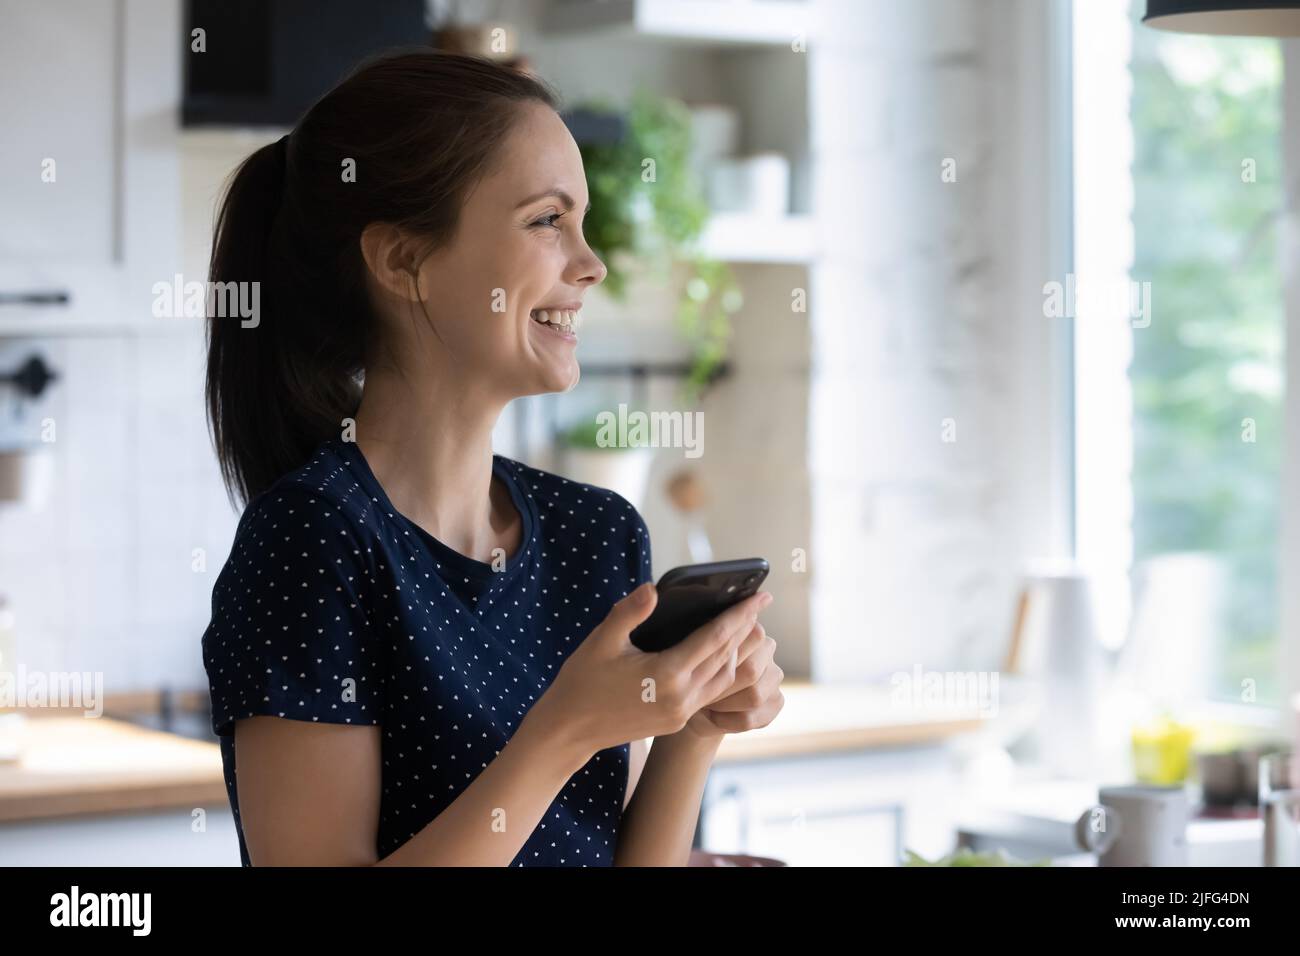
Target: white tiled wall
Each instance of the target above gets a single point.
(101, 577)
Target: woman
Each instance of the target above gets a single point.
(419, 649)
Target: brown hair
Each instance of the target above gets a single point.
(420, 128)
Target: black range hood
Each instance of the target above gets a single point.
(264, 62)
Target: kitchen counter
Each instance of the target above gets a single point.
(73, 765)
(835, 718)
(1033, 817)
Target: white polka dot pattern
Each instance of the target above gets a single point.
(334, 608)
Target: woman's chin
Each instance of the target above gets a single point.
(566, 379)
(555, 377)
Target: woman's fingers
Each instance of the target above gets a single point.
(737, 722)
(753, 641)
(752, 695)
(750, 664)
(731, 655)
(729, 672)
(717, 686)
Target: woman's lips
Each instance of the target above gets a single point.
(551, 331)
(562, 321)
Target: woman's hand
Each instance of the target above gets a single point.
(609, 691)
(754, 698)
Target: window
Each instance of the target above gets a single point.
(1179, 379)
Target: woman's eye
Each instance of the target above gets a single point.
(549, 220)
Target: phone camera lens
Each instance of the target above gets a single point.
(751, 579)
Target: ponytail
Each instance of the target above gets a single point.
(418, 129)
(264, 421)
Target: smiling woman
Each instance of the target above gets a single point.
(418, 648)
(338, 224)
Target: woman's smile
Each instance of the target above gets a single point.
(561, 323)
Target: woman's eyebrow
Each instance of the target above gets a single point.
(565, 199)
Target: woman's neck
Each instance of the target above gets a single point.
(430, 446)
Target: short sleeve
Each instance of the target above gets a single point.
(637, 552)
(643, 553)
(290, 633)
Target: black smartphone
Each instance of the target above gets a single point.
(693, 595)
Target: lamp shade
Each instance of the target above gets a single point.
(1247, 18)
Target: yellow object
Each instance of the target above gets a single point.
(1162, 751)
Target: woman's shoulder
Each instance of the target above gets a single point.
(291, 631)
(322, 487)
(552, 490)
(620, 525)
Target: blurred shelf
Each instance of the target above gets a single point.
(40, 327)
(742, 238)
(715, 22)
(638, 369)
(49, 327)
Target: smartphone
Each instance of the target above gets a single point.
(693, 595)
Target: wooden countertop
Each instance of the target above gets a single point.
(73, 765)
(829, 718)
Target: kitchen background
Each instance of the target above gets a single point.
(1025, 525)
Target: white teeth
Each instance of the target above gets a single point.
(563, 319)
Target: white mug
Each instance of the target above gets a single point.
(1153, 825)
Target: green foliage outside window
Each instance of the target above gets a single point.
(1207, 372)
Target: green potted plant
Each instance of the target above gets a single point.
(648, 209)
(621, 468)
(647, 206)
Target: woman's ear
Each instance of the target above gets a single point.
(390, 259)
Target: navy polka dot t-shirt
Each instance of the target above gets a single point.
(333, 607)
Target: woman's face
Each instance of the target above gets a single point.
(518, 251)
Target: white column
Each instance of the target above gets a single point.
(928, 326)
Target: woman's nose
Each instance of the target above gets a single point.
(587, 269)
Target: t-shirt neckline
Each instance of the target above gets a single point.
(444, 554)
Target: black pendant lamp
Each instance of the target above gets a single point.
(1247, 18)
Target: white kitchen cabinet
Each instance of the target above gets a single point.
(700, 22)
(60, 79)
(89, 165)
(155, 838)
(859, 808)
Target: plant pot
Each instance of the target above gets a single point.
(623, 470)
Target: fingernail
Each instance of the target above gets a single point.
(766, 599)
(642, 596)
